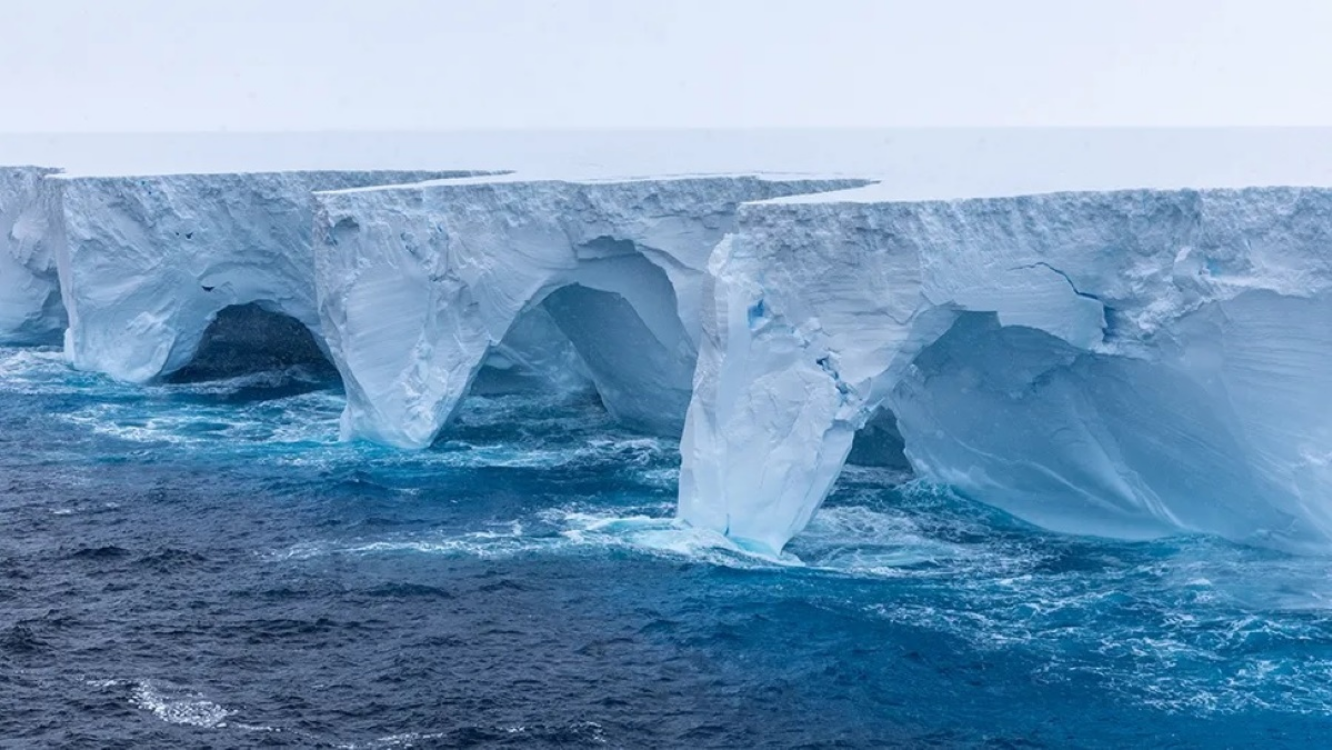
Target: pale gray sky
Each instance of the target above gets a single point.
(134, 65)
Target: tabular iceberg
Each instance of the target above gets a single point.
(1131, 363)
(147, 262)
(418, 284)
(1127, 364)
(30, 309)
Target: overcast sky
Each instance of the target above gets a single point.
(134, 65)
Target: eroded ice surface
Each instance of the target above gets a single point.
(1129, 363)
(418, 284)
(30, 309)
(147, 262)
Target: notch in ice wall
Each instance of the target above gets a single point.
(417, 284)
(1128, 364)
(147, 262)
(30, 309)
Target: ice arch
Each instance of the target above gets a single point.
(147, 262)
(30, 309)
(1126, 364)
(535, 355)
(417, 284)
(879, 442)
(639, 356)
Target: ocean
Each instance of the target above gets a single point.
(201, 563)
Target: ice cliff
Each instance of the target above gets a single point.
(419, 284)
(30, 309)
(1127, 364)
(147, 262)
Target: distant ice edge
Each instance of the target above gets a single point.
(1127, 364)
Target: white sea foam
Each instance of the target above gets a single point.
(176, 707)
(848, 541)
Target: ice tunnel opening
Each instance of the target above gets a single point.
(247, 339)
(606, 334)
(638, 357)
(880, 443)
(534, 357)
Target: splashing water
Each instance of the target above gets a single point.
(231, 574)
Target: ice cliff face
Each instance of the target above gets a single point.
(30, 309)
(1128, 363)
(419, 284)
(146, 263)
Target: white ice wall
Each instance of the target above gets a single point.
(146, 262)
(30, 309)
(1127, 363)
(418, 284)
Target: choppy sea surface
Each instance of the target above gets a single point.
(204, 565)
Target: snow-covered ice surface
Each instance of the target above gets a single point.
(912, 164)
(147, 262)
(1128, 364)
(417, 284)
(30, 309)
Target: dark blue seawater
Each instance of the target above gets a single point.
(203, 565)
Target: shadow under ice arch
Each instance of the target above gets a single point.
(418, 284)
(244, 339)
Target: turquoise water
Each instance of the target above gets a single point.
(204, 564)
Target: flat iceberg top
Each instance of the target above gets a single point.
(303, 175)
(913, 164)
(519, 179)
(879, 192)
(876, 195)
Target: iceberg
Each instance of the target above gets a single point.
(419, 284)
(146, 263)
(1130, 364)
(30, 308)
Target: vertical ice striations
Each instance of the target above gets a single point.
(418, 284)
(147, 262)
(30, 309)
(1128, 364)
